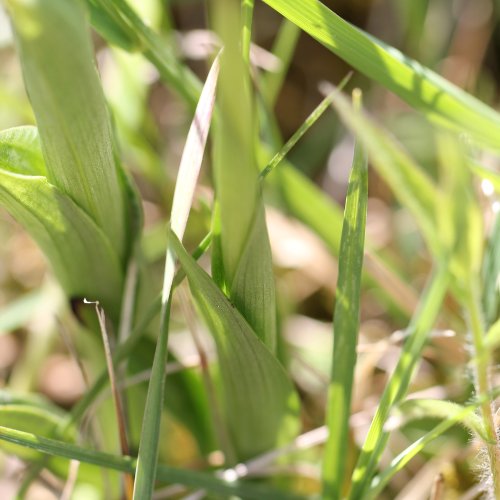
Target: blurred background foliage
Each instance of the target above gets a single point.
(460, 39)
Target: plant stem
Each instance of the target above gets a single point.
(482, 357)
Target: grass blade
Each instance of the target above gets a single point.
(183, 197)
(420, 87)
(410, 184)
(398, 384)
(189, 478)
(346, 325)
(308, 123)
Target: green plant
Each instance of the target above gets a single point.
(64, 181)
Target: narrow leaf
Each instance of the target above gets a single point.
(398, 384)
(409, 183)
(183, 198)
(420, 87)
(345, 327)
(190, 478)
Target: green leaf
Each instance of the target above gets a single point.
(187, 178)
(253, 290)
(345, 327)
(20, 151)
(260, 403)
(67, 236)
(189, 478)
(65, 92)
(243, 240)
(396, 388)
(409, 183)
(418, 86)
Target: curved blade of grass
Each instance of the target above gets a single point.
(399, 381)
(66, 234)
(417, 409)
(183, 197)
(75, 131)
(408, 182)
(346, 325)
(189, 478)
(261, 405)
(420, 87)
(306, 125)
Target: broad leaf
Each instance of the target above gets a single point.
(75, 246)
(259, 399)
(66, 95)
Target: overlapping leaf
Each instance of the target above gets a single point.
(260, 403)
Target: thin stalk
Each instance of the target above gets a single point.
(120, 415)
(476, 324)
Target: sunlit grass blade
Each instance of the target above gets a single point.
(398, 384)
(420, 87)
(413, 188)
(190, 478)
(183, 198)
(71, 113)
(306, 125)
(260, 403)
(346, 325)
